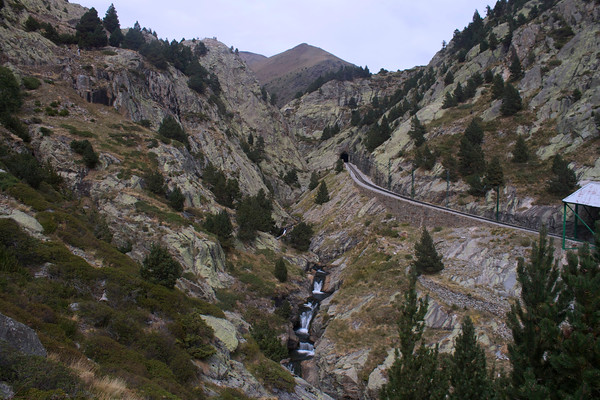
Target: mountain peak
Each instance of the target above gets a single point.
(293, 70)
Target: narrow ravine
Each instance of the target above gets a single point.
(305, 349)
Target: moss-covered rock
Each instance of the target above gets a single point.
(224, 330)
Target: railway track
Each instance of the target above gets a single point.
(363, 181)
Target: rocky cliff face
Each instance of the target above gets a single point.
(104, 93)
(479, 278)
(554, 120)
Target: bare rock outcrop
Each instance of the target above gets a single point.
(21, 337)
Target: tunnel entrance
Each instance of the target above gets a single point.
(344, 156)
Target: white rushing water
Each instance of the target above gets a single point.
(306, 316)
(305, 319)
(306, 349)
(317, 286)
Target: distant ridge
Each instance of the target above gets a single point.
(252, 59)
(287, 73)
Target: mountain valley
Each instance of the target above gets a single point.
(166, 206)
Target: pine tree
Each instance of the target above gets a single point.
(516, 71)
(564, 180)
(424, 158)
(458, 94)
(493, 41)
(89, 31)
(470, 153)
(497, 87)
(449, 101)
(417, 131)
(470, 158)
(534, 322)
(116, 38)
(511, 101)
(170, 128)
(415, 375)
(484, 45)
(468, 371)
(488, 76)
(355, 118)
(254, 214)
(339, 166)
(507, 40)
(578, 363)
(596, 116)
(449, 78)
(494, 176)
(280, 271)
(176, 199)
(451, 165)
(378, 134)
(160, 267)
(111, 19)
(477, 187)
(520, 151)
(474, 131)
(322, 194)
(291, 177)
(427, 260)
(10, 93)
(300, 237)
(154, 182)
(134, 39)
(314, 181)
(220, 225)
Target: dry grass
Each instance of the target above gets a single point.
(103, 387)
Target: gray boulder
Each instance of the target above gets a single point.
(6, 392)
(20, 336)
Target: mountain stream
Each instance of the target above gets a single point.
(307, 311)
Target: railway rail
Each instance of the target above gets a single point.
(360, 179)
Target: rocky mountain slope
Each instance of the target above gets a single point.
(559, 116)
(73, 242)
(292, 71)
(252, 59)
(115, 100)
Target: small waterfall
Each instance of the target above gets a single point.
(306, 316)
(317, 286)
(306, 348)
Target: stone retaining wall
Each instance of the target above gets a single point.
(422, 216)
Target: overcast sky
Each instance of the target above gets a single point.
(390, 34)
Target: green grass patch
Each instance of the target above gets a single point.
(273, 375)
(35, 377)
(228, 299)
(28, 196)
(7, 180)
(125, 139)
(165, 216)
(256, 284)
(31, 83)
(76, 132)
